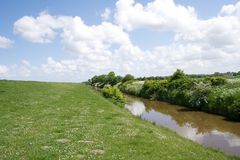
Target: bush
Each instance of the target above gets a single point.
(216, 81)
(127, 77)
(178, 90)
(212, 94)
(102, 80)
(225, 102)
(132, 87)
(178, 74)
(113, 93)
(162, 90)
(199, 94)
(180, 84)
(154, 89)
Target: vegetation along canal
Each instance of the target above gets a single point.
(207, 129)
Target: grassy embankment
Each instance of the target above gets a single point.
(71, 121)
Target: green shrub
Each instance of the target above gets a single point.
(146, 90)
(113, 93)
(151, 87)
(178, 90)
(199, 94)
(127, 77)
(102, 80)
(162, 91)
(226, 102)
(132, 87)
(177, 96)
(216, 81)
(180, 84)
(213, 94)
(178, 74)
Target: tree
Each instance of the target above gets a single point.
(238, 73)
(178, 74)
(112, 79)
(111, 74)
(127, 77)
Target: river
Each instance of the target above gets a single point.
(207, 129)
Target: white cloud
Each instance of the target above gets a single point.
(22, 70)
(3, 71)
(228, 9)
(136, 108)
(76, 36)
(25, 62)
(5, 42)
(38, 30)
(106, 14)
(158, 14)
(79, 38)
(231, 9)
(25, 68)
(199, 46)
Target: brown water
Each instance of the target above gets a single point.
(207, 129)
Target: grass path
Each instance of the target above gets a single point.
(71, 121)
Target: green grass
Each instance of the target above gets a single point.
(71, 121)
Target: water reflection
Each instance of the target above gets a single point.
(136, 108)
(210, 130)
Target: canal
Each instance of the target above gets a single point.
(207, 129)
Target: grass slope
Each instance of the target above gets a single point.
(71, 121)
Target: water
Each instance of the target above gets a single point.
(207, 129)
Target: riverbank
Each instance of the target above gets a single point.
(196, 94)
(208, 93)
(72, 121)
(204, 128)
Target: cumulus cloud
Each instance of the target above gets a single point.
(158, 14)
(22, 70)
(3, 71)
(25, 68)
(92, 40)
(38, 30)
(5, 42)
(231, 9)
(76, 36)
(106, 14)
(198, 46)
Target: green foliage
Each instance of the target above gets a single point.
(102, 80)
(111, 74)
(113, 93)
(180, 84)
(98, 81)
(178, 90)
(127, 77)
(151, 87)
(216, 81)
(225, 101)
(199, 95)
(132, 87)
(213, 94)
(178, 74)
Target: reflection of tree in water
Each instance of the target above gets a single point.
(203, 122)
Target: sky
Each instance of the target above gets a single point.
(72, 40)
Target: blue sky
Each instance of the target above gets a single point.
(146, 48)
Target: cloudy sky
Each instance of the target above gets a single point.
(72, 40)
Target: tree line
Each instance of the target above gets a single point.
(214, 94)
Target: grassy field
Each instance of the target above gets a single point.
(72, 121)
